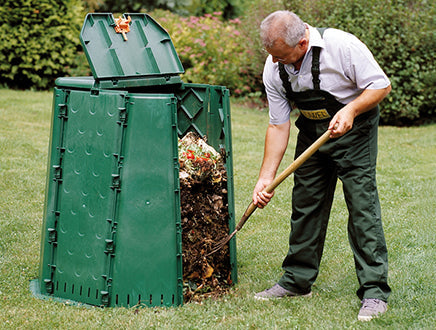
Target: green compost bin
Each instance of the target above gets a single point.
(112, 231)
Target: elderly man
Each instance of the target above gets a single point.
(334, 81)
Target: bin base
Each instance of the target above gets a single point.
(36, 292)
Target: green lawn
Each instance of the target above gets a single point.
(407, 184)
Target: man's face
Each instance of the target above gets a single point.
(285, 54)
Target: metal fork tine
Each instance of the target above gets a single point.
(218, 246)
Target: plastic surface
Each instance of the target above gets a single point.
(112, 233)
(112, 216)
(146, 55)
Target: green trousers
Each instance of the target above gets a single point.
(352, 159)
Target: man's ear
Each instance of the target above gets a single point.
(303, 43)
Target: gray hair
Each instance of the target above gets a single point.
(282, 24)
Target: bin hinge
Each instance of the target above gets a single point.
(123, 116)
(116, 182)
(118, 157)
(57, 173)
(63, 111)
(52, 235)
(110, 247)
(105, 298)
(48, 285)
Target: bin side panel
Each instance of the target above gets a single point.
(147, 263)
(57, 123)
(192, 109)
(205, 109)
(85, 198)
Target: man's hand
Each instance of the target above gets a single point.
(341, 123)
(260, 197)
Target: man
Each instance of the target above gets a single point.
(333, 79)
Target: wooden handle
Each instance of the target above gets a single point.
(299, 161)
(288, 171)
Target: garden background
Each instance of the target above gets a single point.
(40, 43)
(218, 42)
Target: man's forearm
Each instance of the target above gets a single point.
(368, 100)
(342, 122)
(276, 142)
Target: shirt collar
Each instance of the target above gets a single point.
(315, 39)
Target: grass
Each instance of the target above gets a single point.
(407, 184)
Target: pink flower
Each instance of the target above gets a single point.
(194, 19)
(200, 42)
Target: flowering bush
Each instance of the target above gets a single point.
(212, 51)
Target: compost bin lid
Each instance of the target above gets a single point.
(132, 50)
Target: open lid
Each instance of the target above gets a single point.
(133, 50)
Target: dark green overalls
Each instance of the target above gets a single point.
(352, 159)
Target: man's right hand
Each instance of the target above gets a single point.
(260, 197)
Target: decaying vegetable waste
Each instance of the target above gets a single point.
(204, 217)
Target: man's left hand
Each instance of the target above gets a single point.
(341, 123)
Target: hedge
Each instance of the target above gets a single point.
(40, 40)
(212, 51)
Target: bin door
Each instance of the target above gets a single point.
(147, 264)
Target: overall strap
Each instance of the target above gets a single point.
(315, 67)
(315, 62)
(285, 80)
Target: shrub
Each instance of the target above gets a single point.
(40, 39)
(212, 51)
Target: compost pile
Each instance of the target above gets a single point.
(204, 216)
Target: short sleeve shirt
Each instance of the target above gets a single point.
(347, 68)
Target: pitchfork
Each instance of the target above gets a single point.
(270, 188)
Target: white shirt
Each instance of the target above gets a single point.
(347, 67)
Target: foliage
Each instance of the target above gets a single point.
(250, 28)
(212, 51)
(229, 8)
(41, 42)
(40, 39)
(402, 36)
(133, 6)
